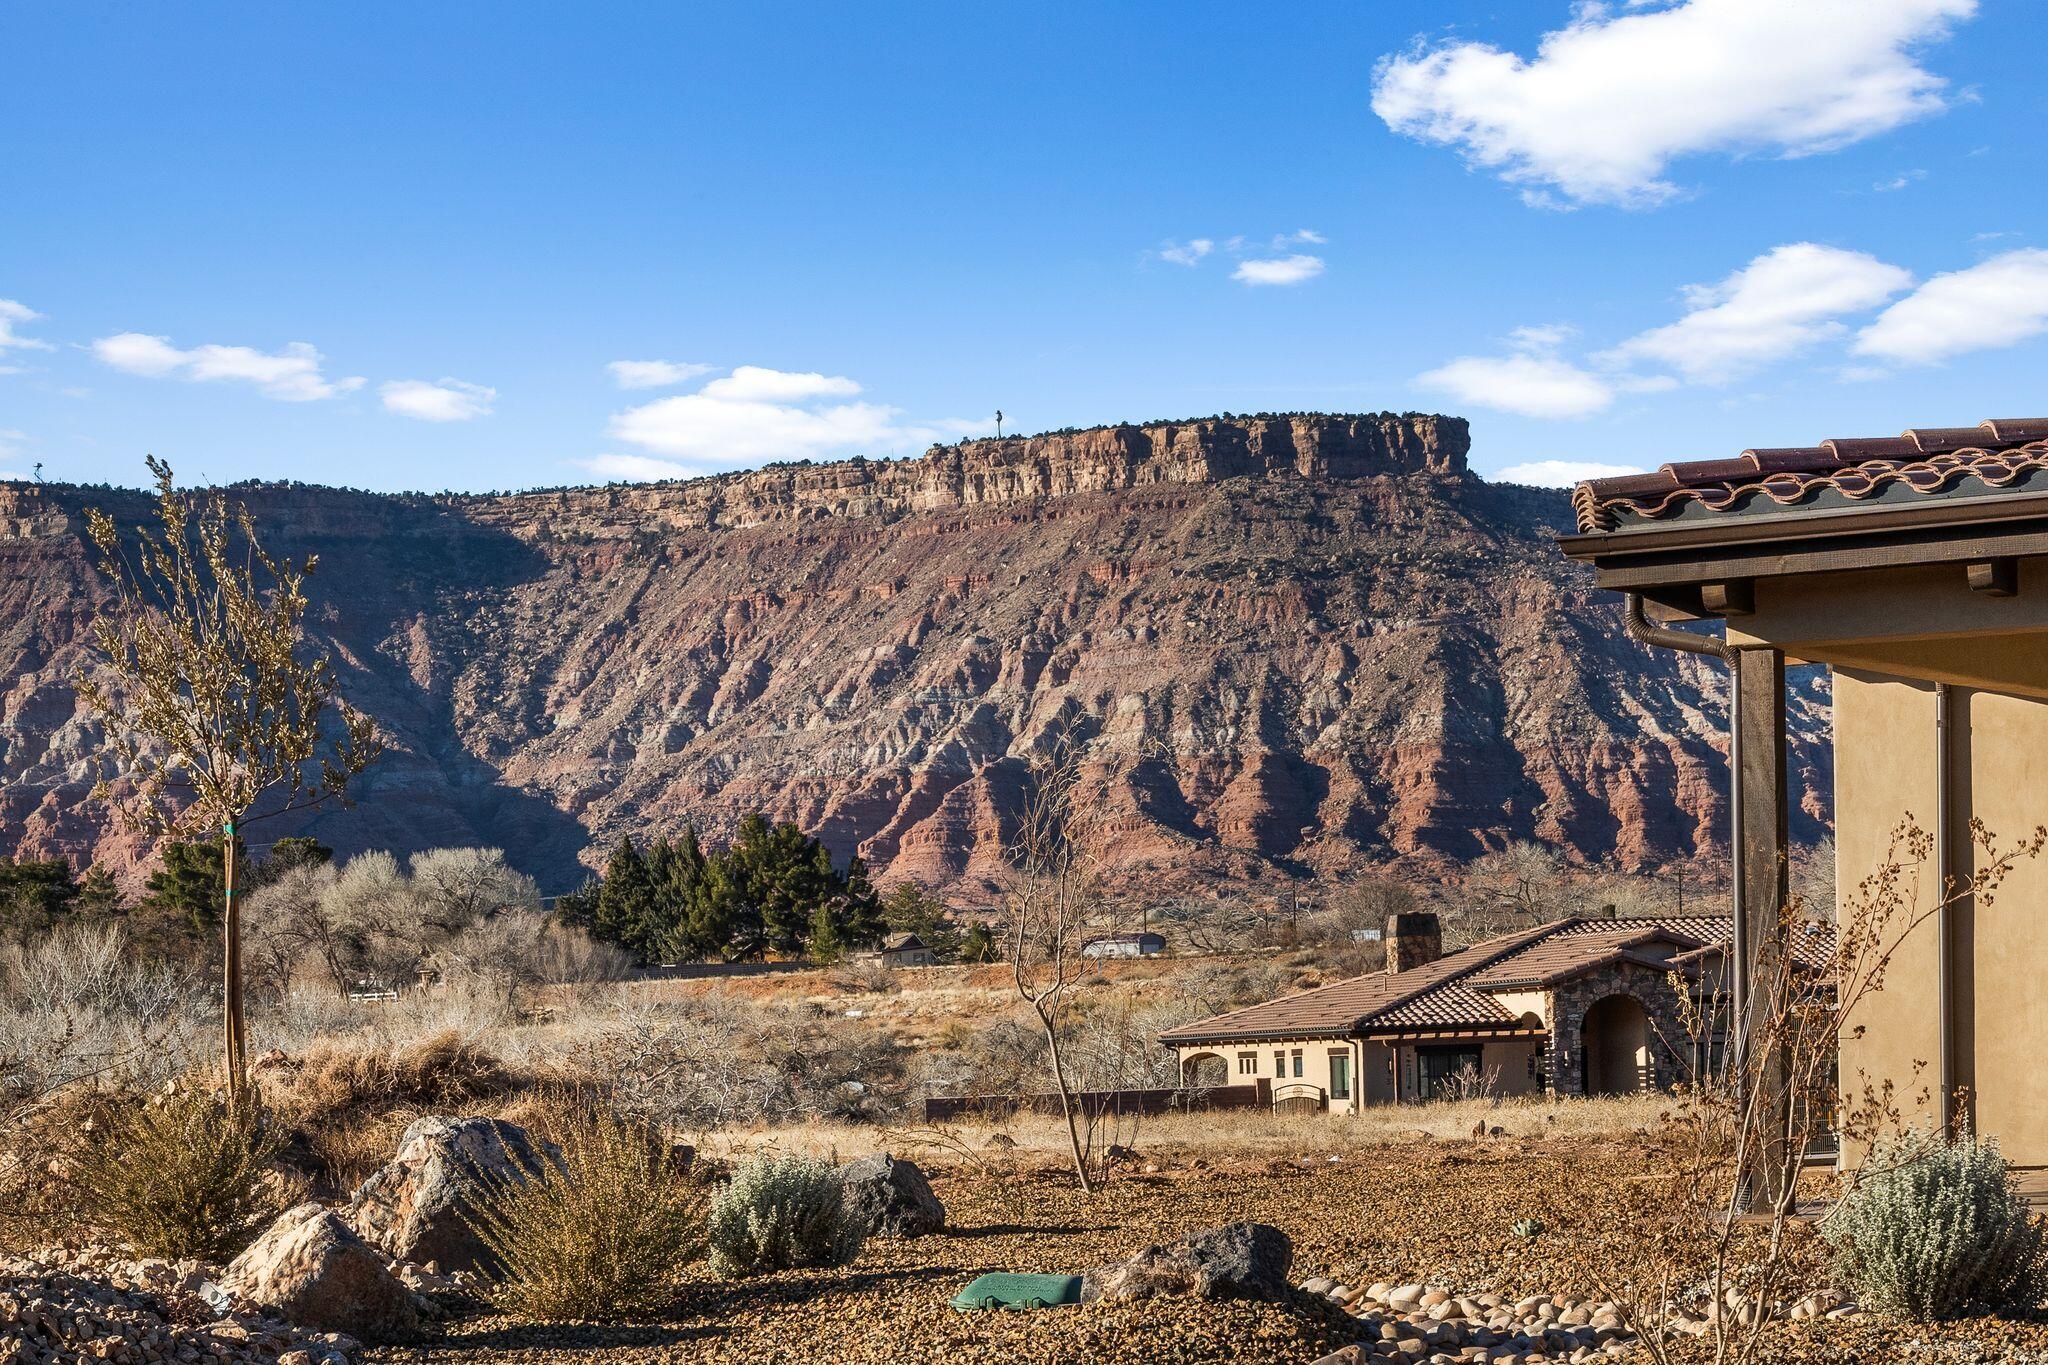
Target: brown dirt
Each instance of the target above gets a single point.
(1438, 1209)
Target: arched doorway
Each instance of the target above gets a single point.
(1204, 1069)
(1616, 1042)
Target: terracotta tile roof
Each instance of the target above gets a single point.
(1343, 1007)
(1455, 991)
(1565, 955)
(2008, 454)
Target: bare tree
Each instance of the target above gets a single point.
(215, 718)
(1050, 901)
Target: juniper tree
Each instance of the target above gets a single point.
(214, 714)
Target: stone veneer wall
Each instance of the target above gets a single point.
(1670, 1045)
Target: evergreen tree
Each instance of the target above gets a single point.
(664, 904)
(910, 909)
(296, 851)
(827, 940)
(978, 944)
(191, 884)
(864, 920)
(623, 906)
(34, 892)
(579, 907)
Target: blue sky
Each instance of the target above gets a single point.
(406, 246)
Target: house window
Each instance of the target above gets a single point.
(1297, 1064)
(1340, 1075)
(1279, 1065)
(1247, 1063)
(1437, 1068)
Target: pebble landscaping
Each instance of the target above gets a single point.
(1418, 1323)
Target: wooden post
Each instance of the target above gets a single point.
(1762, 953)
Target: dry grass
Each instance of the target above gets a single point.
(1303, 1137)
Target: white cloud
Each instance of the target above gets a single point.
(756, 384)
(1560, 473)
(1610, 100)
(444, 400)
(1186, 253)
(1994, 303)
(1779, 304)
(1309, 235)
(1898, 182)
(654, 374)
(11, 315)
(1532, 384)
(291, 375)
(754, 415)
(638, 468)
(1278, 270)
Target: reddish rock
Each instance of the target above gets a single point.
(1303, 644)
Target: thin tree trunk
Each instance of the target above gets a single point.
(1059, 1080)
(231, 957)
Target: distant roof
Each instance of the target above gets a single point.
(899, 943)
(1146, 936)
(1457, 991)
(2002, 455)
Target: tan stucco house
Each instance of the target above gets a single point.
(1574, 1007)
(1916, 568)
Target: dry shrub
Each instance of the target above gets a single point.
(349, 1100)
(608, 1233)
(185, 1174)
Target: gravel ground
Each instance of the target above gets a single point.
(1431, 1211)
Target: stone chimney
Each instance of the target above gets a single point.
(1413, 940)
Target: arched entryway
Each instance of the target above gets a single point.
(1204, 1069)
(1616, 1040)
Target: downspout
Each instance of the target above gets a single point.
(1644, 631)
(1944, 923)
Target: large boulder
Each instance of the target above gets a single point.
(312, 1269)
(1242, 1261)
(413, 1208)
(891, 1198)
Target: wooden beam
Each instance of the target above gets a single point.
(1762, 853)
(1995, 577)
(1736, 597)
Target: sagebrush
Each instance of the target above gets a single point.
(605, 1233)
(185, 1174)
(1934, 1228)
(778, 1213)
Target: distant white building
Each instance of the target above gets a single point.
(1124, 945)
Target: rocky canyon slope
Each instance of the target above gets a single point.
(1292, 645)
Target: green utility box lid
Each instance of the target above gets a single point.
(1019, 1291)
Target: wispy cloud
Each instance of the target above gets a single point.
(1781, 303)
(1275, 260)
(1995, 303)
(442, 400)
(756, 414)
(1901, 181)
(292, 374)
(1615, 97)
(1278, 270)
(13, 315)
(655, 374)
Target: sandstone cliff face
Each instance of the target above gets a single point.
(1294, 645)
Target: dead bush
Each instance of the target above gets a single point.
(186, 1174)
(607, 1233)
